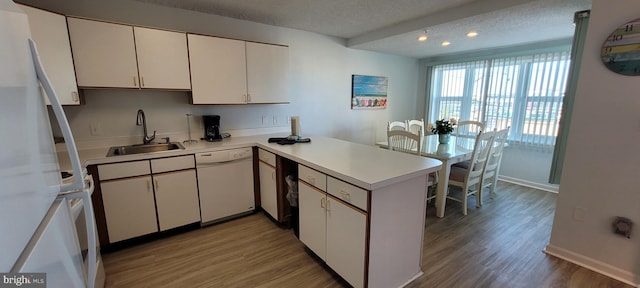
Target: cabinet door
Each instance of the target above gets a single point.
(268, 189)
(312, 219)
(218, 70)
(49, 31)
(346, 241)
(267, 73)
(129, 208)
(162, 59)
(176, 198)
(104, 54)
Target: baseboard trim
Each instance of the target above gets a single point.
(522, 182)
(412, 279)
(592, 264)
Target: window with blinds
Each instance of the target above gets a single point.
(523, 92)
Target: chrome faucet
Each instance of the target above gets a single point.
(142, 121)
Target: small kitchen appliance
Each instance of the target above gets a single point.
(212, 128)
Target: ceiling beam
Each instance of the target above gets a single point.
(460, 12)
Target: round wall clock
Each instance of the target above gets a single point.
(621, 51)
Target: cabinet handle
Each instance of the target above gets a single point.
(74, 96)
(148, 186)
(345, 194)
(141, 81)
(323, 201)
(311, 180)
(248, 97)
(135, 81)
(157, 186)
(328, 206)
(273, 175)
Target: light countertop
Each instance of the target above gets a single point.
(368, 167)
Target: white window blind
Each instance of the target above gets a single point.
(523, 92)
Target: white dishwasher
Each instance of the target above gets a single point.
(225, 184)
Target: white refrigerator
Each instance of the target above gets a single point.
(38, 235)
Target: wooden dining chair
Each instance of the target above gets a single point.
(469, 128)
(468, 179)
(408, 142)
(396, 125)
(416, 125)
(492, 169)
(404, 141)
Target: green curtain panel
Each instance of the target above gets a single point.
(581, 19)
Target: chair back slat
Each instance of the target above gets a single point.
(469, 128)
(415, 126)
(495, 155)
(481, 151)
(404, 141)
(396, 125)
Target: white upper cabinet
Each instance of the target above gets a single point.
(104, 54)
(218, 70)
(109, 55)
(227, 71)
(49, 31)
(267, 73)
(163, 60)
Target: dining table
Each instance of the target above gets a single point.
(458, 149)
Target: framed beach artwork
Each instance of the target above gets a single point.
(368, 92)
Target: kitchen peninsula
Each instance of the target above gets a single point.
(379, 191)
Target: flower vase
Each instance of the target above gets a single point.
(443, 138)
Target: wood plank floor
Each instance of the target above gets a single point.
(498, 245)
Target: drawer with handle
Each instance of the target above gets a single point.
(172, 164)
(267, 157)
(313, 177)
(348, 193)
(122, 170)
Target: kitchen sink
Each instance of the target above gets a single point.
(143, 148)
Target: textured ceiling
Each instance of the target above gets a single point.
(393, 26)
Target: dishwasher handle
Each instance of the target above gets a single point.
(225, 156)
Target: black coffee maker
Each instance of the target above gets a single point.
(212, 128)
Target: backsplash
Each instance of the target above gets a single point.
(109, 114)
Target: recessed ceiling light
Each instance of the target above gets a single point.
(446, 43)
(472, 34)
(423, 37)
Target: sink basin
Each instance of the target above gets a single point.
(143, 148)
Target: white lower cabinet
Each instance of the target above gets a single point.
(176, 198)
(268, 189)
(333, 229)
(268, 183)
(346, 241)
(129, 208)
(313, 218)
(143, 197)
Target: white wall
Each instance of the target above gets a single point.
(601, 173)
(320, 66)
(527, 166)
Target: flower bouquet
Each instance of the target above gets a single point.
(443, 128)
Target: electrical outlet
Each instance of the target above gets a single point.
(95, 128)
(264, 119)
(275, 120)
(579, 213)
